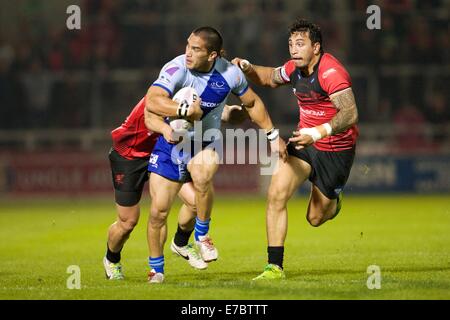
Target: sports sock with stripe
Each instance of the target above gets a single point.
(201, 227)
(156, 263)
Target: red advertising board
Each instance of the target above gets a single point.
(70, 173)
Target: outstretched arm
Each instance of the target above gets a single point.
(260, 75)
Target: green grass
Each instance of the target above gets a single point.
(408, 237)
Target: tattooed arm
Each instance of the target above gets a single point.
(346, 117)
(347, 114)
(264, 76)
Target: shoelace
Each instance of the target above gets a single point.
(271, 267)
(208, 242)
(268, 268)
(192, 251)
(116, 269)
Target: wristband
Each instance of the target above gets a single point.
(272, 134)
(313, 132)
(244, 65)
(328, 128)
(182, 109)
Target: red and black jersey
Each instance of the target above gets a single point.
(313, 97)
(132, 139)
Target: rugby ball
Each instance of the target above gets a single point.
(189, 95)
(180, 124)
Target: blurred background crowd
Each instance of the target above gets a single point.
(55, 78)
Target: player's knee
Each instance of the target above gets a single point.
(157, 221)
(315, 220)
(188, 225)
(202, 182)
(276, 197)
(158, 217)
(128, 225)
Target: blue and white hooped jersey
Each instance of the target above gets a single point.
(213, 87)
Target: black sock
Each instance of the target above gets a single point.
(182, 237)
(276, 255)
(113, 257)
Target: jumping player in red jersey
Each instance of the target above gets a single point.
(323, 147)
(129, 156)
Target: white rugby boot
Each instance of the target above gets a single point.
(113, 271)
(155, 277)
(206, 247)
(190, 253)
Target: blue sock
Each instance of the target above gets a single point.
(156, 263)
(201, 228)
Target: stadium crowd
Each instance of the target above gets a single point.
(52, 77)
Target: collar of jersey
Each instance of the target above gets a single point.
(316, 66)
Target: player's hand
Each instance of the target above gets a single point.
(169, 135)
(194, 112)
(278, 145)
(301, 140)
(242, 63)
(227, 111)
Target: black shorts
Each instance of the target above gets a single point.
(329, 170)
(129, 177)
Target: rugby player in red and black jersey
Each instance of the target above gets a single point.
(129, 156)
(322, 148)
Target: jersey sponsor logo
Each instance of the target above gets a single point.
(328, 72)
(313, 112)
(217, 84)
(208, 104)
(171, 70)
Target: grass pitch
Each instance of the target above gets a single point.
(408, 237)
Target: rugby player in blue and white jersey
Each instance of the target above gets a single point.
(214, 78)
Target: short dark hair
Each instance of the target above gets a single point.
(302, 25)
(213, 38)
